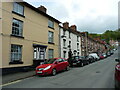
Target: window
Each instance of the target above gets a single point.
(50, 37)
(69, 42)
(18, 8)
(60, 60)
(50, 53)
(50, 24)
(64, 54)
(78, 38)
(64, 42)
(16, 53)
(77, 45)
(64, 32)
(39, 53)
(69, 35)
(17, 27)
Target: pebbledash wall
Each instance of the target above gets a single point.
(39, 39)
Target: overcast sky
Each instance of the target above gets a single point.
(94, 16)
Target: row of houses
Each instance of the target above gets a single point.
(29, 36)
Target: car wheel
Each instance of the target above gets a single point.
(54, 72)
(67, 68)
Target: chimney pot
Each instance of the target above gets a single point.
(42, 8)
(66, 25)
(73, 27)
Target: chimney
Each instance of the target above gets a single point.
(66, 25)
(42, 8)
(73, 27)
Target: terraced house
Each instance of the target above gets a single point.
(29, 35)
(70, 40)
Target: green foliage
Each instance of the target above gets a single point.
(108, 35)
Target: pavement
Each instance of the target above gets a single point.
(17, 76)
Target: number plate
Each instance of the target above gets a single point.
(74, 63)
(39, 72)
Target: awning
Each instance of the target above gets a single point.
(37, 45)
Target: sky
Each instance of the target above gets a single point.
(93, 16)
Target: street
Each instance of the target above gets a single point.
(99, 74)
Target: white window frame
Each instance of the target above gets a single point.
(51, 37)
(17, 27)
(18, 8)
(16, 52)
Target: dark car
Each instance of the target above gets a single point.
(117, 74)
(78, 61)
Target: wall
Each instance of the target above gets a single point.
(35, 31)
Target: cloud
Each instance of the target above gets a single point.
(90, 15)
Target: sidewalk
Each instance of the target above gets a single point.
(17, 76)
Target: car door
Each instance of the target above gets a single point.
(64, 64)
(60, 64)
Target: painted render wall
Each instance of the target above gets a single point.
(35, 31)
(73, 43)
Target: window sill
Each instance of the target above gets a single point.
(51, 27)
(18, 14)
(64, 47)
(17, 36)
(16, 62)
(51, 43)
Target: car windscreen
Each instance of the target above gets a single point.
(76, 57)
(81, 57)
(50, 61)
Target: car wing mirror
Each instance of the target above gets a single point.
(117, 60)
(41, 63)
(56, 62)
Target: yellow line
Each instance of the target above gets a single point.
(10, 83)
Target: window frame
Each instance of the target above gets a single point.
(49, 38)
(18, 21)
(13, 61)
(64, 43)
(17, 12)
(50, 23)
(50, 52)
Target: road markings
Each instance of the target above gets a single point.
(10, 83)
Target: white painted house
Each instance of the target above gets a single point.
(69, 39)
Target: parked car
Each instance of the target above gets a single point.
(90, 59)
(96, 57)
(117, 74)
(80, 60)
(111, 52)
(104, 54)
(52, 66)
(108, 53)
(101, 56)
(77, 61)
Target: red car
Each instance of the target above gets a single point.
(52, 66)
(117, 74)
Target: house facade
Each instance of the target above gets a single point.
(28, 35)
(69, 40)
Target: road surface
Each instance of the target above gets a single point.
(99, 74)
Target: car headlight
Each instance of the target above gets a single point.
(47, 68)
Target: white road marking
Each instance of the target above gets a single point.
(10, 83)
